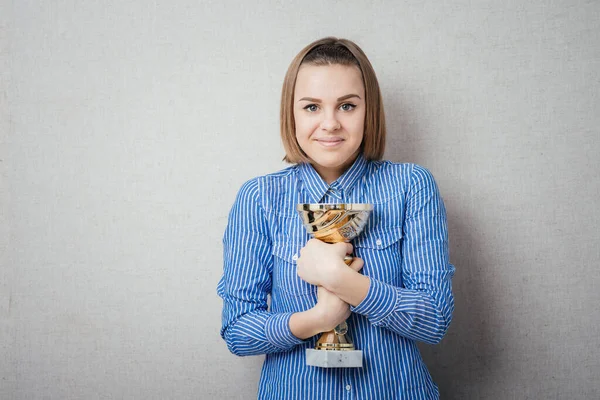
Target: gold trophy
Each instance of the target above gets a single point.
(335, 223)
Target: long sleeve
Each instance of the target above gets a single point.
(422, 308)
(248, 327)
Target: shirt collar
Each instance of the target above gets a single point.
(316, 187)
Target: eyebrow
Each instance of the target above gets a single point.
(348, 96)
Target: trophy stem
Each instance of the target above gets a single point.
(334, 341)
(337, 339)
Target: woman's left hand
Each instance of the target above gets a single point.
(319, 262)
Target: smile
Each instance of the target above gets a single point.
(330, 142)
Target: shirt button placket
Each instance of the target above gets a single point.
(349, 392)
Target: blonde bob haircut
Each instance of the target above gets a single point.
(334, 51)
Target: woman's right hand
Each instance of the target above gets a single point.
(332, 311)
(328, 313)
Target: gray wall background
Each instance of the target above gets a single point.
(128, 127)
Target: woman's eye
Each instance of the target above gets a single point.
(311, 108)
(347, 107)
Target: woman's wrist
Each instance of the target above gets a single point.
(350, 286)
(333, 279)
(306, 324)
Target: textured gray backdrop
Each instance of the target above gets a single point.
(128, 127)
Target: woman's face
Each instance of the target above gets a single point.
(329, 113)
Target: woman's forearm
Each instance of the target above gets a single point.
(349, 285)
(305, 324)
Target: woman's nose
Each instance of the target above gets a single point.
(330, 124)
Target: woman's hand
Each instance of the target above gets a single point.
(331, 309)
(357, 264)
(328, 313)
(319, 262)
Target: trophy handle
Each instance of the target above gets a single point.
(348, 259)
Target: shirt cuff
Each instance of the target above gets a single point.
(278, 333)
(379, 302)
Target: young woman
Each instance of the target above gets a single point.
(398, 288)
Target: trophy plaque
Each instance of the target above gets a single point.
(334, 223)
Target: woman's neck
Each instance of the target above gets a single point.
(330, 175)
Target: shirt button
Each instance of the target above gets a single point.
(295, 257)
(348, 387)
(379, 242)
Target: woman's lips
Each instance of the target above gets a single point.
(329, 142)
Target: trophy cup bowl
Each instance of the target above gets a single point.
(335, 223)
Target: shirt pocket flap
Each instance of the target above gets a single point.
(285, 276)
(288, 252)
(379, 238)
(380, 249)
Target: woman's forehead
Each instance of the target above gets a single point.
(328, 81)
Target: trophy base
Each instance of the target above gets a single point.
(334, 358)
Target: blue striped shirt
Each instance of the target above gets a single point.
(405, 251)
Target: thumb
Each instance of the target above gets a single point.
(344, 248)
(357, 264)
(349, 248)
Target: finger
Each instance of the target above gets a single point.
(310, 247)
(312, 242)
(349, 248)
(357, 264)
(320, 291)
(344, 248)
